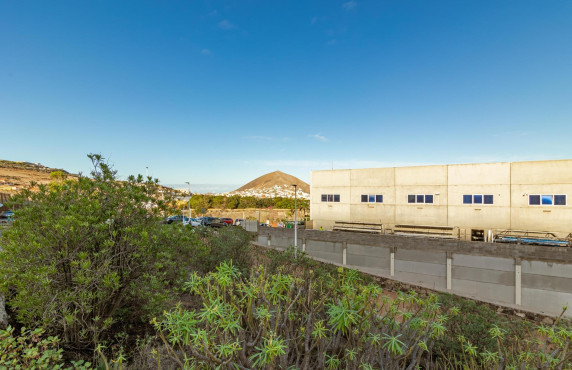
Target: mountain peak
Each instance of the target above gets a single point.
(275, 179)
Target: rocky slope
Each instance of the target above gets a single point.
(274, 184)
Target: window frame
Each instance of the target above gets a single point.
(547, 200)
(423, 197)
(561, 195)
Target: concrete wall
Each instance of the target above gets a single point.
(509, 183)
(529, 277)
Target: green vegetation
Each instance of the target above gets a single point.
(88, 257)
(280, 320)
(199, 201)
(30, 350)
(88, 265)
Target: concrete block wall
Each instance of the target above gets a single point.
(534, 278)
(422, 267)
(491, 278)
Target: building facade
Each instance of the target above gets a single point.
(529, 196)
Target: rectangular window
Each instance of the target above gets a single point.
(411, 198)
(488, 199)
(324, 197)
(534, 200)
(379, 198)
(560, 200)
(330, 197)
(420, 198)
(372, 198)
(467, 199)
(478, 199)
(337, 198)
(429, 198)
(547, 199)
(364, 198)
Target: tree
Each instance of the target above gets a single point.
(86, 254)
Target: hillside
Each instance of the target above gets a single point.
(274, 184)
(16, 175)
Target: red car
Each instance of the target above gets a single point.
(227, 221)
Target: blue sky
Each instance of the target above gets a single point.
(224, 91)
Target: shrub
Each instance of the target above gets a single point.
(30, 350)
(279, 320)
(86, 254)
(474, 322)
(220, 245)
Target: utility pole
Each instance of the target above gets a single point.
(187, 182)
(295, 220)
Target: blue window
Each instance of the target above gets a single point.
(372, 198)
(379, 198)
(560, 200)
(420, 198)
(330, 197)
(488, 199)
(534, 200)
(429, 198)
(547, 199)
(478, 199)
(467, 199)
(411, 198)
(364, 198)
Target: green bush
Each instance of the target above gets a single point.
(86, 254)
(220, 245)
(283, 321)
(474, 322)
(30, 350)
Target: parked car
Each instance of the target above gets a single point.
(176, 218)
(206, 221)
(217, 222)
(227, 220)
(192, 221)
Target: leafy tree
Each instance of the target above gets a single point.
(86, 254)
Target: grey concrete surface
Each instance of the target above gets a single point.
(545, 301)
(325, 250)
(547, 268)
(375, 258)
(484, 275)
(483, 262)
(484, 291)
(483, 271)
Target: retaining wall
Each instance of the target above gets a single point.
(528, 277)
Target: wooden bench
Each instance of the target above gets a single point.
(358, 227)
(446, 232)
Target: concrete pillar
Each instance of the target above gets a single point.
(344, 252)
(269, 240)
(303, 244)
(517, 282)
(449, 270)
(392, 261)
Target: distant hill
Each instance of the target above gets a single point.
(274, 180)
(15, 175)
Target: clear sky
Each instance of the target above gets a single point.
(221, 92)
